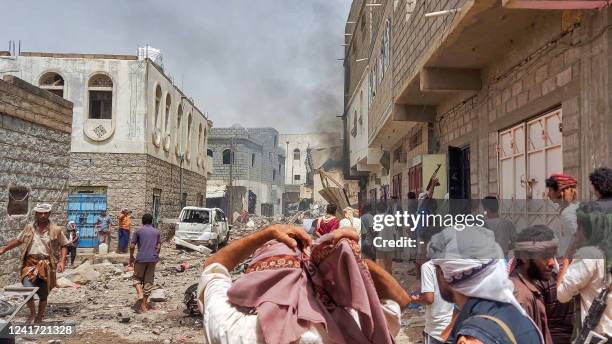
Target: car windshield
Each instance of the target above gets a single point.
(195, 216)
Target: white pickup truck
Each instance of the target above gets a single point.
(201, 226)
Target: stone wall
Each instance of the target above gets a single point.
(130, 180)
(34, 154)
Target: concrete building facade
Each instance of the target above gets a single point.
(503, 111)
(137, 141)
(35, 128)
(258, 167)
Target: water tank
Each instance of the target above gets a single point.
(153, 54)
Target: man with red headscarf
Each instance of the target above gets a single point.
(295, 291)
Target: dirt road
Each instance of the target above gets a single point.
(102, 310)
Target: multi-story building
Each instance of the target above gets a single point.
(35, 128)
(503, 93)
(137, 141)
(256, 172)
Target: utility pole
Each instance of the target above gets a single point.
(182, 157)
(231, 182)
(286, 165)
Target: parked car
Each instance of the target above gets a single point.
(202, 226)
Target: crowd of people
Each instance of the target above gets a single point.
(494, 283)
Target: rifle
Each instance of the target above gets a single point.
(435, 173)
(592, 319)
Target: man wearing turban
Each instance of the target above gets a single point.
(43, 254)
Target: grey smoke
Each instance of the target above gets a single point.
(257, 63)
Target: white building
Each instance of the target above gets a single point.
(137, 140)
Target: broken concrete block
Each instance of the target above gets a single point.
(83, 274)
(158, 295)
(64, 282)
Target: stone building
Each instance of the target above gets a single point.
(256, 170)
(137, 141)
(501, 111)
(35, 128)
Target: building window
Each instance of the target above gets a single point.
(273, 174)
(296, 154)
(189, 119)
(252, 159)
(354, 130)
(275, 141)
(158, 98)
(528, 153)
(53, 83)
(100, 97)
(410, 6)
(200, 142)
(167, 117)
(209, 152)
(179, 117)
(227, 157)
(296, 177)
(18, 201)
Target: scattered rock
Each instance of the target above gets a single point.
(156, 332)
(158, 295)
(83, 274)
(64, 282)
(124, 317)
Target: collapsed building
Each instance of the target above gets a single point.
(138, 141)
(308, 154)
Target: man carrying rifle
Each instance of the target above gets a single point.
(588, 275)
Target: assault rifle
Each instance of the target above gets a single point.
(592, 319)
(435, 173)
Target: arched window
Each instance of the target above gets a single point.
(158, 98)
(296, 154)
(53, 83)
(100, 88)
(226, 157)
(200, 138)
(188, 128)
(209, 152)
(179, 117)
(167, 118)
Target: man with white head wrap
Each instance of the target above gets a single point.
(471, 273)
(43, 254)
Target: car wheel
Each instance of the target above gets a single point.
(215, 246)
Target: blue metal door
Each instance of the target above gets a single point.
(83, 209)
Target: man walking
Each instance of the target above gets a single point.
(103, 228)
(43, 254)
(125, 225)
(147, 239)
